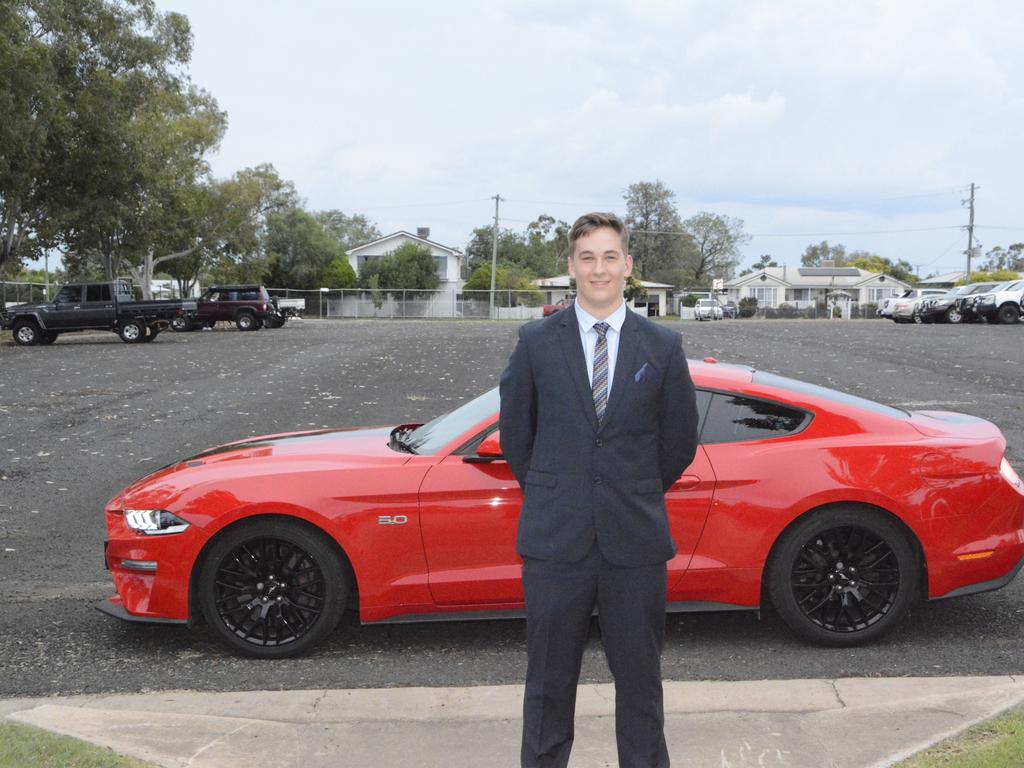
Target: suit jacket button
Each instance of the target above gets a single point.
(597, 481)
(598, 443)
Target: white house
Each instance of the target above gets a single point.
(802, 287)
(654, 305)
(448, 260)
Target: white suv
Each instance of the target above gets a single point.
(1002, 304)
(708, 309)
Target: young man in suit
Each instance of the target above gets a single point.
(598, 420)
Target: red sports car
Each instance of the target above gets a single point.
(840, 510)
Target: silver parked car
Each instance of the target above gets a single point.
(885, 309)
(708, 309)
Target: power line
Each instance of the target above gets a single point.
(811, 234)
(423, 205)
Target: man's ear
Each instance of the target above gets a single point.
(629, 264)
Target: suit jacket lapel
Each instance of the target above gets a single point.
(576, 361)
(629, 340)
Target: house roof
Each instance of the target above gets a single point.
(410, 236)
(814, 277)
(947, 278)
(562, 281)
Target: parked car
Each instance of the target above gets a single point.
(965, 301)
(944, 309)
(1002, 304)
(885, 309)
(558, 306)
(249, 307)
(270, 538)
(708, 309)
(109, 306)
(730, 311)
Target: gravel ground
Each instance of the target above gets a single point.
(83, 418)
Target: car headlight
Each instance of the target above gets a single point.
(987, 300)
(154, 522)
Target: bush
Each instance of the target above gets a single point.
(787, 310)
(748, 306)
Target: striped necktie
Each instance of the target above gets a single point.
(600, 379)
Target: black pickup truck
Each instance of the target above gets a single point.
(91, 306)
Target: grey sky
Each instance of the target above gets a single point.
(799, 117)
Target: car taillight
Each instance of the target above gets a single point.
(263, 307)
(1010, 474)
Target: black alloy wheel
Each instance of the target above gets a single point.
(1009, 314)
(272, 588)
(26, 333)
(843, 576)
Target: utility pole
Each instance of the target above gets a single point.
(970, 232)
(494, 252)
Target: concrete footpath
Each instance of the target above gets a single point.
(847, 723)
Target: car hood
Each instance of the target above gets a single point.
(326, 448)
(31, 307)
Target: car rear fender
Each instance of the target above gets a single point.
(295, 515)
(866, 508)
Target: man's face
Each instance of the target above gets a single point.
(600, 268)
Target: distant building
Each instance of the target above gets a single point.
(803, 287)
(656, 304)
(947, 280)
(447, 260)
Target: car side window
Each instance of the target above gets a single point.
(734, 419)
(70, 294)
(97, 293)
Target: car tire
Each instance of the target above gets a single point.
(1009, 314)
(132, 331)
(843, 576)
(151, 333)
(46, 338)
(26, 333)
(274, 322)
(272, 588)
(245, 321)
(954, 316)
(182, 324)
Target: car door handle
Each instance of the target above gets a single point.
(686, 482)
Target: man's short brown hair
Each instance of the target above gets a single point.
(588, 222)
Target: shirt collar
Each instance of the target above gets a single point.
(614, 320)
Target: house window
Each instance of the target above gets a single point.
(800, 294)
(878, 295)
(442, 267)
(765, 296)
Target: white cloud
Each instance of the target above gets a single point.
(768, 111)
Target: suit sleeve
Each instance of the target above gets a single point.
(518, 419)
(678, 438)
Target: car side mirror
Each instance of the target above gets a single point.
(489, 450)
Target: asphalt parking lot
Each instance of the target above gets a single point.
(83, 418)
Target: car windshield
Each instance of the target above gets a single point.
(978, 288)
(434, 435)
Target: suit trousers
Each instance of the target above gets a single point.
(560, 600)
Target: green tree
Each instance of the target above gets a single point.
(994, 276)
(634, 289)
(338, 274)
(656, 240)
(299, 249)
(764, 261)
(815, 254)
(351, 231)
(872, 262)
(1011, 258)
(716, 245)
(513, 286)
(410, 266)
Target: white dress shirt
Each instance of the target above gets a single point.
(589, 338)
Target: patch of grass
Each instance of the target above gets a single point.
(23, 745)
(997, 743)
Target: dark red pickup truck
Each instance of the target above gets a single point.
(249, 307)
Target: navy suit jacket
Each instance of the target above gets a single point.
(583, 481)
